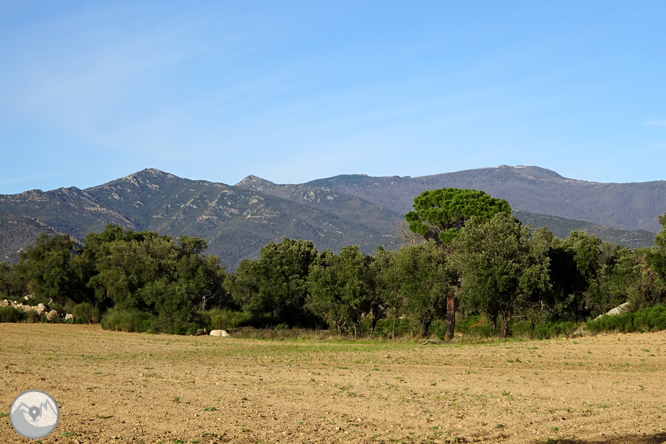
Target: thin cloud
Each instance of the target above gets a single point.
(656, 123)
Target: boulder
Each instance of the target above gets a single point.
(222, 333)
(42, 309)
(69, 317)
(620, 309)
(51, 315)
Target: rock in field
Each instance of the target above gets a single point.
(222, 333)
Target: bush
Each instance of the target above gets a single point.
(477, 325)
(85, 312)
(553, 329)
(224, 319)
(129, 321)
(648, 319)
(11, 314)
(521, 328)
(34, 317)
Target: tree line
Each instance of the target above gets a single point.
(470, 257)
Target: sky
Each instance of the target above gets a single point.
(292, 91)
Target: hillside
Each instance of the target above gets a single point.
(561, 227)
(238, 220)
(234, 221)
(629, 206)
(18, 232)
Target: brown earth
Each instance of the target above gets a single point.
(141, 388)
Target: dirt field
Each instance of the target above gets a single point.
(142, 388)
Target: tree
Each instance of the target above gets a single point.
(150, 273)
(13, 280)
(500, 266)
(425, 279)
(340, 288)
(388, 281)
(49, 266)
(97, 247)
(656, 257)
(575, 266)
(439, 215)
(243, 284)
(275, 286)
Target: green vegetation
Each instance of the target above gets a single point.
(439, 215)
(503, 268)
(11, 314)
(475, 265)
(648, 319)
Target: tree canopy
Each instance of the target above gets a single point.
(500, 266)
(439, 215)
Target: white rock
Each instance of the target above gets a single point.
(51, 315)
(620, 309)
(222, 333)
(69, 317)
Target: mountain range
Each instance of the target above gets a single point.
(237, 220)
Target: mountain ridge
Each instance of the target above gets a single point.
(237, 220)
(629, 206)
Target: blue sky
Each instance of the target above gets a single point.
(295, 91)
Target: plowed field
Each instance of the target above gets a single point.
(141, 388)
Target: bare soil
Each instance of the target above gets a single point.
(141, 388)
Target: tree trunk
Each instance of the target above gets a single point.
(376, 315)
(395, 321)
(425, 325)
(493, 319)
(356, 329)
(451, 302)
(506, 317)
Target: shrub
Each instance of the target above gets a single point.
(521, 328)
(34, 317)
(478, 326)
(85, 312)
(11, 314)
(553, 329)
(648, 319)
(224, 319)
(129, 321)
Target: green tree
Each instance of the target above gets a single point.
(97, 247)
(49, 267)
(340, 288)
(13, 280)
(425, 279)
(618, 272)
(656, 257)
(500, 265)
(147, 272)
(243, 284)
(575, 265)
(274, 286)
(439, 215)
(388, 281)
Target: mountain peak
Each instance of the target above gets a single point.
(254, 182)
(149, 173)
